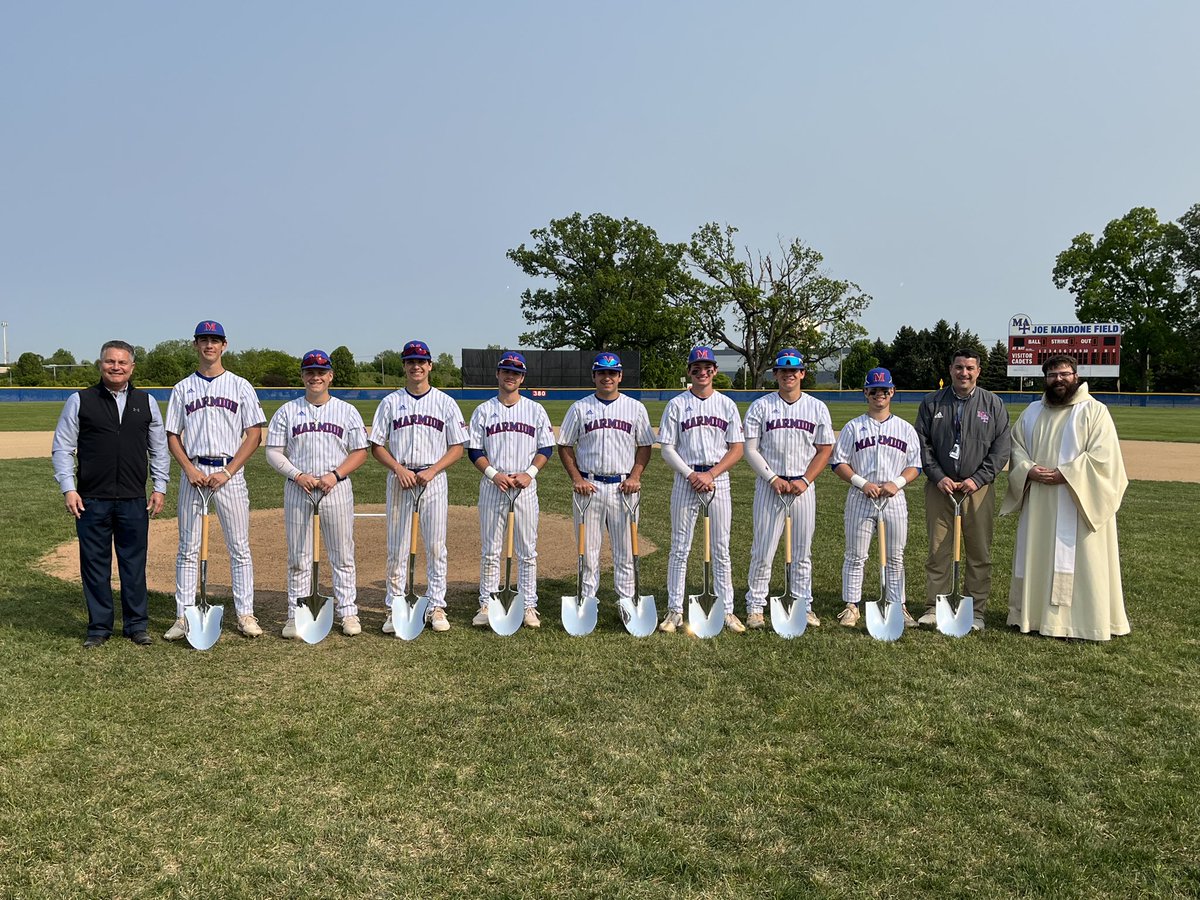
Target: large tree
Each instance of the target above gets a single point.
(755, 303)
(28, 370)
(345, 371)
(615, 286)
(169, 362)
(1141, 273)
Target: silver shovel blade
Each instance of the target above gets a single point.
(788, 623)
(203, 627)
(885, 624)
(579, 616)
(702, 625)
(640, 616)
(314, 630)
(409, 621)
(955, 624)
(505, 622)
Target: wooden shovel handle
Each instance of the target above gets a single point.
(582, 538)
(204, 536)
(787, 540)
(412, 536)
(316, 536)
(633, 536)
(957, 536)
(512, 517)
(707, 540)
(882, 542)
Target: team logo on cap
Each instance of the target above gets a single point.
(316, 359)
(514, 361)
(789, 359)
(415, 350)
(607, 361)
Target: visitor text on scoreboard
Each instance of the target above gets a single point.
(1095, 345)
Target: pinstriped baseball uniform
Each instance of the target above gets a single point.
(417, 431)
(509, 437)
(316, 440)
(210, 417)
(878, 451)
(605, 436)
(701, 431)
(788, 435)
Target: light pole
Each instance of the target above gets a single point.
(4, 325)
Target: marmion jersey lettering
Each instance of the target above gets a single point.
(788, 433)
(510, 435)
(212, 414)
(700, 430)
(317, 438)
(606, 435)
(878, 451)
(417, 431)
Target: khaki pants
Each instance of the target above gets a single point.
(978, 522)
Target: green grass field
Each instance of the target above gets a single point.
(466, 764)
(1133, 423)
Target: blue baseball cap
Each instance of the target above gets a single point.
(702, 354)
(607, 362)
(788, 358)
(512, 361)
(316, 359)
(879, 378)
(209, 329)
(416, 350)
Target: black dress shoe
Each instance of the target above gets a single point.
(141, 638)
(94, 640)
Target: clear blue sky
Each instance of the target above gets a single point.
(316, 174)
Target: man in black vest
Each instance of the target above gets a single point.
(111, 429)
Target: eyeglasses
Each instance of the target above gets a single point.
(1052, 376)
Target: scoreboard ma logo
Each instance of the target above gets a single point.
(1096, 346)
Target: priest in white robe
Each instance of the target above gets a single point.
(1067, 479)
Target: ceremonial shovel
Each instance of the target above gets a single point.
(506, 621)
(700, 623)
(408, 612)
(203, 620)
(637, 612)
(788, 622)
(885, 621)
(951, 621)
(579, 612)
(309, 628)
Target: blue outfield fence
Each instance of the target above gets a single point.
(59, 395)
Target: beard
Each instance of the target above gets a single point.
(1061, 392)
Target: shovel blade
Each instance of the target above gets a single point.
(579, 616)
(955, 623)
(505, 622)
(885, 621)
(314, 629)
(705, 625)
(204, 627)
(788, 623)
(640, 616)
(409, 621)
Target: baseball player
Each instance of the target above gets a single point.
(510, 441)
(605, 443)
(789, 437)
(878, 454)
(316, 442)
(214, 425)
(701, 438)
(418, 433)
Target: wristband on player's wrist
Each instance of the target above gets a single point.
(339, 476)
(532, 471)
(490, 473)
(228, 474)
(899, 481)
(858, 481)
(804, 478)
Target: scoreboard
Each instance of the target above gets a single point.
(1095, 345)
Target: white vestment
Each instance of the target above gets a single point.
(1066, 568)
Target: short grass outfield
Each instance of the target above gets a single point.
(1134, 423)
(466, 764)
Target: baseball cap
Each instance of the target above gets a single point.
(416, 350)
(209, 328)
(513, 361)
(607, 362)
(702, 354)
(788, 358)
(879, 378)
(316, 359)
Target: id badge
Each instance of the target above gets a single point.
(954, 452)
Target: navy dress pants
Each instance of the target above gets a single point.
(106, 524)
